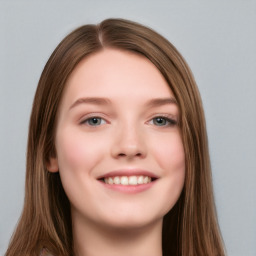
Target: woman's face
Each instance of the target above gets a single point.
(119, 148)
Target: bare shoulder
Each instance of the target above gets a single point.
(45, 252)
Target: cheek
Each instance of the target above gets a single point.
(170, 154)
(171, 157)
(77, 152)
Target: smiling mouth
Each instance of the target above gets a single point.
(128, 180)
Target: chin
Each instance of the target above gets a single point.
(133, 220)
(132, 224)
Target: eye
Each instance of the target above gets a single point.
(94, 121)
(163, 121)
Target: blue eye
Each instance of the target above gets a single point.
(94, 121)
(163, 121)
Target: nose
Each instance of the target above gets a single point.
(129, 143)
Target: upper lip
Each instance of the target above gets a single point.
(128, 172)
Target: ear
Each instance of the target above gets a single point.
(52, 165)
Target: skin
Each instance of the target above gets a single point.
(127, 137)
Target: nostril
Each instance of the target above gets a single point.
(127, 151)
(129, 155)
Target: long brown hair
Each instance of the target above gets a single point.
(191, 227)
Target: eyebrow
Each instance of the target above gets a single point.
(104, 101)
(91, 100)
(157, 102)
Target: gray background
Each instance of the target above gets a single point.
(217, 38)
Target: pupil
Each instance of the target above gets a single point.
(160, 121)
(94, 121)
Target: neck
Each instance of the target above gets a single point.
(94, 240)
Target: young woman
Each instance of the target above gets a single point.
(117, 159)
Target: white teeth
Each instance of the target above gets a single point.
(145, 179)
(117, 180)
(124, 180)
(140, 180)
(131, 180)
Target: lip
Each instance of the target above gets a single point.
(128, 172)
(130, 189)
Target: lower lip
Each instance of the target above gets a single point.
(130, 189)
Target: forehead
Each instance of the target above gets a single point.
(116, 74)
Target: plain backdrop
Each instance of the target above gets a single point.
(218, 40)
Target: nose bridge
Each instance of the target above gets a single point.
(129, 140)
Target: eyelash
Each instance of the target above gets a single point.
(168, 122)
(87, 120)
